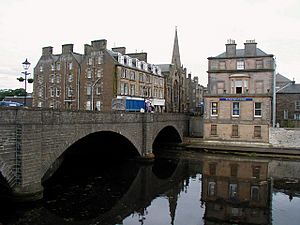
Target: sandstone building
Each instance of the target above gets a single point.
(238, 104)
(100, 79)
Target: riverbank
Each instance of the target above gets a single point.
(250, 148)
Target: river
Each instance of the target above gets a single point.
(178, 188)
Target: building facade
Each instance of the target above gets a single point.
(195, 91)
(288, 105)
(100, 79)
(238, 104)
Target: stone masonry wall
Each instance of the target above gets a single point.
(283, 137)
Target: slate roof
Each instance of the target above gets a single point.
(290, 89)
(282, 79)
(164, 67)
(241, 53)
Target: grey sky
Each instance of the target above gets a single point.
(203, 29)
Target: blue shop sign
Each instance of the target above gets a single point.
(235, 99)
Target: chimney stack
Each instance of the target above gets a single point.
(67, 48)
(47, 50)
(250, 48)
(231, 48)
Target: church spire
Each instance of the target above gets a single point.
(176, 55)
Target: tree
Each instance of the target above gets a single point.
(10, 92)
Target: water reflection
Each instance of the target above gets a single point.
(236, 191)
(192, 188)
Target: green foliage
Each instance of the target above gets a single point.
(10, 92)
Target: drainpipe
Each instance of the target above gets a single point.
(274, 93)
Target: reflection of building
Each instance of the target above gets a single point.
(238, 103)
(91, 81)
(236, 191)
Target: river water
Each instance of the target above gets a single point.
(178, 188)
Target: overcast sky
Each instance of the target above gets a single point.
(203, 29)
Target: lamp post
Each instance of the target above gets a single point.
(26, 66)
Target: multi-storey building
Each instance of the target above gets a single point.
(175, 81)
(194, 100)
(238, 104)
(95, 79)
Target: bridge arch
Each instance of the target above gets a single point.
(7, 173)
(166, 135)
(91, 143)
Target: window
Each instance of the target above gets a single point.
(297, 105)
(240, 65)
(259, 64)
(123, 73)
(257, 109)
(52, 92)
(89, 74)
(259, 87)
(297, 116)
(232, 191)
(40, 93)
(58, 79)
(235, 109)
(100, 60)
(256, 171)
(214, 108)
(285, 114)
(213, 129)
(235, 130)
(57, 92)
(211, 188)
(89, 90)
(99, 73)
(40, 104)
(255, 193)
(70, 65)
(52, 67)
(90, 61)
(41, 68)
(57, 66)
(132, 75)
(52, 78)
(69, 91)
(141, 77)
(257, 131)
(88, 105)
(70, 78)
(124, 89)
(238, 84)
(132, 89)
(98, 89)
(98, 105)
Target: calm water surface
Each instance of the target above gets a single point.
(190, 188)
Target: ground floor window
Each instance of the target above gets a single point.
(235, 130)
(213, 129)
(257, 131)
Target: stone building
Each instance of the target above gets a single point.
(238, 104)
(288, 105)
(96, 79)
(195, 91)
(175, 81)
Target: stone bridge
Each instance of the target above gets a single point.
(32, 140)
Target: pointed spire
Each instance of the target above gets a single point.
(176, 55)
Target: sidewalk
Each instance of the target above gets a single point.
(231, 146)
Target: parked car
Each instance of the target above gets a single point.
(10, 104)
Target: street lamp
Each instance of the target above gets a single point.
(26, 66)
